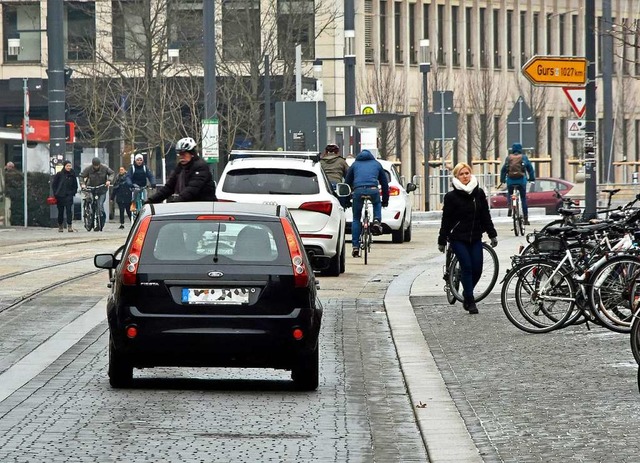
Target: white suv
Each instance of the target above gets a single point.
(295, 180)
(396, 218)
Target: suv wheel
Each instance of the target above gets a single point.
(343, 259)
(397, 236)
(120, 371)
(305, 374)
(336, 264)
(407, 234)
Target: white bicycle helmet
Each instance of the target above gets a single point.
(186, 144)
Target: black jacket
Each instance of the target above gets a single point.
(64, 186)
(121, 190)
(465, 217)
(197, 181)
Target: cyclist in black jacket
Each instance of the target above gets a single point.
(465, 217)
(191, 180)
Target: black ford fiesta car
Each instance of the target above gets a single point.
(212, 284)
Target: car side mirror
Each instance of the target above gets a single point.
(105, 261)
(411, 187)
(343, 190)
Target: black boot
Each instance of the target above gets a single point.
(472, 307)
(526, 220)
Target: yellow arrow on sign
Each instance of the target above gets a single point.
(556, 70)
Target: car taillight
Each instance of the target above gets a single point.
(324, 207)
(394, 191)
(300, 271)
(133, 257)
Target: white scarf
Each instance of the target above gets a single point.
(469, 187)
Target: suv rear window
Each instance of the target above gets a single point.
(197, 240)
(271, 182)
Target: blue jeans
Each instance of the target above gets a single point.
(101, 199)
(374, 192)
(470, 257)
(522, 187)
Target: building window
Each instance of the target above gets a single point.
(425, 20)
(368, 31)
(296, 24)
(625, 141)
(413, 55)
(483, 37)
(496, 40)
(455, 57)
(80, 31)
(397, 31)
(470, 132)
(441, 30)
(574, 35)
(549, 33)
(22, 21)
(384, 55)
(510, 53)
(561, 26)
(637, 126)
(536, 33)
(636, 48)
(563, 148)
(549, 136)
(129, 37)
(496, 137)
(189, 40)
(469, 35)
(523, 38)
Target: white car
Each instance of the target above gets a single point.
(396, 218)
(296, 180)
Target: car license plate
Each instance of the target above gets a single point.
(216, 296)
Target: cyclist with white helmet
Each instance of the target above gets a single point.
(191, 180)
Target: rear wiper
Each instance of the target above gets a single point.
(215, 252)
(281, 193)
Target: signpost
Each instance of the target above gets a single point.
(521, 126)
(577, 99)
(575, 128)
(556, 70)
(210, 146)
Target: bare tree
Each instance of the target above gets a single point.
(486, 99)
(386, 89)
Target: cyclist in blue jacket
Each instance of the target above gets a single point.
(363, 176)
(516, 171)
(139, 173)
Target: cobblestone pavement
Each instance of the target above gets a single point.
(360, 413)
(566, 396)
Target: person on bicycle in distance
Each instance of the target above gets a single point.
(516, 171)
(335, 168)
(465, 217)
(191, 180)
(139, 173)
(363, 176)
(94, 175)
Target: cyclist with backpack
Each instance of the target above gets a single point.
(139, 173)
(516, 171)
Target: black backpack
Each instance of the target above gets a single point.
(515, 168)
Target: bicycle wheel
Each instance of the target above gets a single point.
(535, 300)
(514, 215)
(521, 224)
(610, 292)
(364, 241)
(488, 278)
(88, 215)
(635, 337)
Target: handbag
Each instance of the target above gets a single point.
(52, 201)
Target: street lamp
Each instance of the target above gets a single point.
(425, 67)
(173, 53)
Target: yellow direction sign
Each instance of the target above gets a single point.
(556, 70)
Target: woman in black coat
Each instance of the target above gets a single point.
(465, 217)
(65, 187)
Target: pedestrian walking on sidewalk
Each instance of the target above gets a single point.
(465, 217)
(122, 195)
(65, 187)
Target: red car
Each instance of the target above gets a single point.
(540, 193)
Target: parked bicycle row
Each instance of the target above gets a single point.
(576, 273)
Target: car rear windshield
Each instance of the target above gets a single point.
(230, 241)
(271, 182)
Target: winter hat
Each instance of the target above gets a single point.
(138, 156)
(516, 148)
(65, 162)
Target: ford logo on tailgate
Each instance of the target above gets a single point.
(215, 274)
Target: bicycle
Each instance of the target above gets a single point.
(366, 235)
(516, 213)
(138, 197)
(91, 211)
(484, 286)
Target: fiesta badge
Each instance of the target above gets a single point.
(215, 274)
